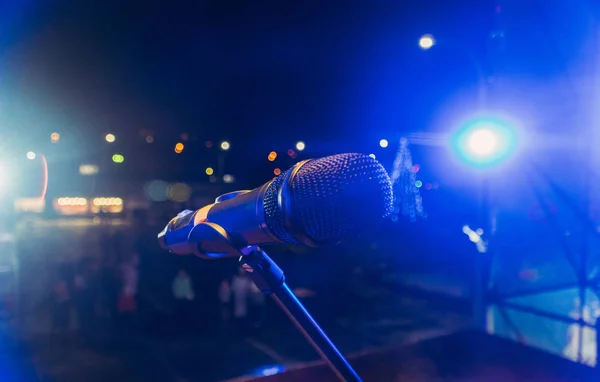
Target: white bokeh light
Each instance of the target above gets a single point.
(426, 41)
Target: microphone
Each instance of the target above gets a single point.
(317, 202)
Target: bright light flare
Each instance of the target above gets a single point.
(5, 178)
(485, 142)
(426, 41)
(31, 155)
(300, 146)
(383, 143)
(225, 146)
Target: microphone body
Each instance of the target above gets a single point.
(316, 202)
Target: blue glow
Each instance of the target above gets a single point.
(485, 142)
(268, 370)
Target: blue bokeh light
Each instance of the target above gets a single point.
(485, 142)
(268, 370)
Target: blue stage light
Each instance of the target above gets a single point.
(485, 142)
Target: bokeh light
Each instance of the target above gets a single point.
(88, 169)
(373, 156)
(157, 190)
(149, 139)
(54, 137)
(383, 143)
(118, 158)
(300, 146)
(272, 156)
(228, 178)
(225, 146)
(31, 155)
(110, 138)
(426, 41)
(107, 201)
(180, 192)
(485, 142)
(179, 148)
(209, 171)
(72, 201)
(268, 370)
(277, 171)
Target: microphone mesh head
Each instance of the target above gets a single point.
(331, 198)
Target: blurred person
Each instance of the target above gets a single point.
(110, 287)
(85, 298)
(225, 301)
(127, 305)
(183, 292)
(240, 287)
(61, 309)
(257, 300)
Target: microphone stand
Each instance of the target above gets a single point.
(269, 278)
(209, 240)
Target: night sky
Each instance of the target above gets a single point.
(339, 75)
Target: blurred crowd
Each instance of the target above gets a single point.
(100, 299)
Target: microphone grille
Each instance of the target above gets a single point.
(332, 198)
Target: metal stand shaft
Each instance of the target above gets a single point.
(269, 278)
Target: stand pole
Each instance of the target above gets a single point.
(269, 278)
